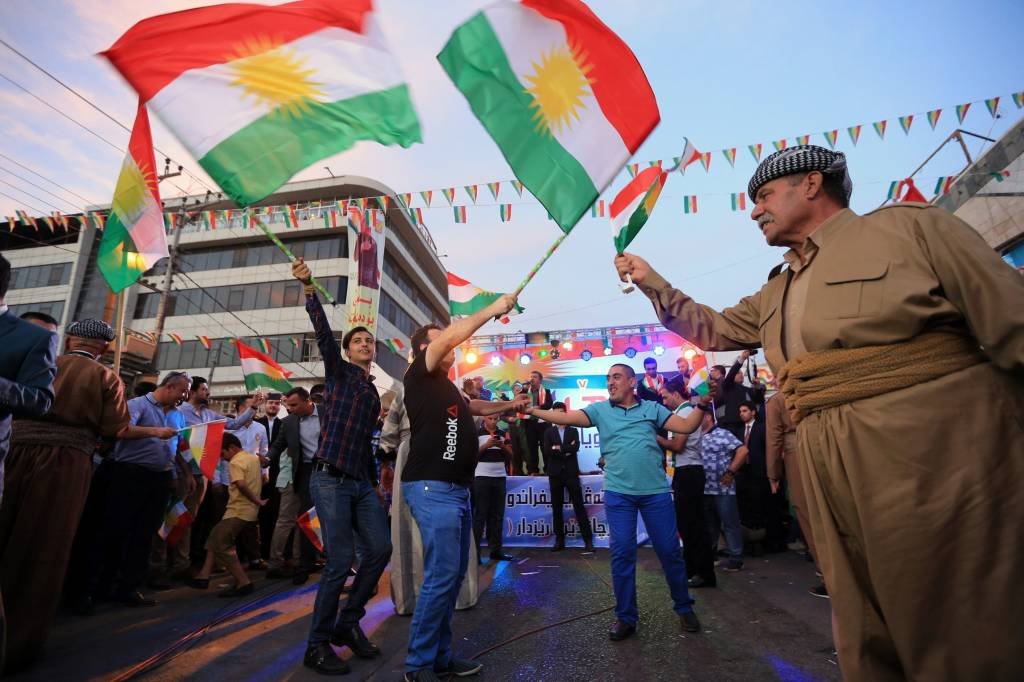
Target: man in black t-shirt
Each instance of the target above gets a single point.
(489, 487)
(435, 482)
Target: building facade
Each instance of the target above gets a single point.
(230, 281)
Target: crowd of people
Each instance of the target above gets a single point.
(417, 480)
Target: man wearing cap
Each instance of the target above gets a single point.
(875, 323)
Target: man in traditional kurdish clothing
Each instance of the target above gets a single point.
(877, 321)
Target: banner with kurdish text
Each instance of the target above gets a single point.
(528, 513)
(366, 259)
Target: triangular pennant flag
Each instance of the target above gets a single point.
(427, 196)
(460, 213)
(779, 145)
(755, 151)
(944, 183)
(803, 139)
(495, 188)
(854, 132)
(27, 220)
(406, 199)
(1000, 175)
(879, 127)
(1018, 99)
(992, 105)
(12, 222)
(471, 190)
(264, 345)
(518, 187)
(449, 194)
(657, 163)
(384, 201)
(905, 122)
(176, 337)
(505, 212)
(690, 204)
(961, 111)
(690, 155)
(895, 188)
(633, 169)
(705, 160)
(739, 201)
(933, 117)
(205, 342)
(831, 136)
(730, 156)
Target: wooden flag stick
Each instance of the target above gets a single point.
(291, 257)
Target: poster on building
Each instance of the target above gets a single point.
(528, 513)
(366, 259)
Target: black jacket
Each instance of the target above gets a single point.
(731, 394)
(277, 426)
(560, 455)
(757, 465)
(289, 441)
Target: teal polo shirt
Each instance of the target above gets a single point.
(633, 461)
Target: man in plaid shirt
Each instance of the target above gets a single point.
(343, 487)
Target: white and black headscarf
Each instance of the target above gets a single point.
(800, 159)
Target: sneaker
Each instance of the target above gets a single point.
(797, 546)
(820, 591)
(460, 667)
(689, 622)
(425, 675)
(733, 566)
(700, 581)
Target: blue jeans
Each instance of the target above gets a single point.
(442, 511)
(724, 515)
(348, 510)
(659, 515)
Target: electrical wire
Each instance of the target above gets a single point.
(69, 191)
(53, 206)
(40, 187)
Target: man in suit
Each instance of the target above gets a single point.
(650, 384)
(561, 443)
(540, 398)
(759, 507)
(28, 364)
(268, 513)
(298, 439)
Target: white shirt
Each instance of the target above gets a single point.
(253, 438)
(746, 430)
(561, 433)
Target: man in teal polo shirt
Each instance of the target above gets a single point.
(635, 481)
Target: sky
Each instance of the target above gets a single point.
(725, 74)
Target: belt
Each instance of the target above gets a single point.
(328, 468)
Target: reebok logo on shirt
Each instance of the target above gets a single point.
(452, 437)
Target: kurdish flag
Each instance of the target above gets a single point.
(633, 205)
(176, 520)
(309, 522)
(134, 239)
(700, 381)
(260, 370)
(563, 97)
(202, 444)
(465, 299)
(278, 87)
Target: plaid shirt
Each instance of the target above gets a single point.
(351, 404)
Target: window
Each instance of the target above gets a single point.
(54, 309)
(235, 298)
(40, 276)
(257, 254)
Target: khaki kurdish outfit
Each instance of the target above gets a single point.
(915, 495)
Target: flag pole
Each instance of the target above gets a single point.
(291, 256)
(540, 263)
(121, 305)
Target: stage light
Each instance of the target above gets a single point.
(586, 355)
(471, 357)
(607, 350)
(555, 354)
(542, 354)
(567, 345)
(630, 352)
(659, 349)
(689, 353)
(525, 359)
(495, 360)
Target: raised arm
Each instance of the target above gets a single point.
(460, 330)
(676, 444)
(684, 425)
(570, 418)
(734, 328)
(31, 393)
(330, 351)
(485, 408)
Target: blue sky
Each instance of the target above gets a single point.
(725, 74)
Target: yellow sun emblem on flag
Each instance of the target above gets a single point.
(275, 76)
(558, 85)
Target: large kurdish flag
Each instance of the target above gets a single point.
(134, 238)
(257, 93)
(202, 444)
(464, 298)
(261, 371)
(633, 205)
(700, 380)
(563, 97)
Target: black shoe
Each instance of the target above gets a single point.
(460, 667)
(135, 598)
(689, 622)
(701, 581)
(820, 591)
(425, 675)
(354, 638)
(588, 548)
(733, 566)
(198, 583)
(321, 658)
(237, 591)
(559, 545)
(278, 574)
(84, 606)
(620, 631)
(501, 556)
(300, 577)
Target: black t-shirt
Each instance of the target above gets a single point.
(444, 443)
(491, 454)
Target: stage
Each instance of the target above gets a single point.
(759, 624)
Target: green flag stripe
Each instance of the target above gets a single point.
(262, 156)
(255, 381)
(476, 63)
(121, 268)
